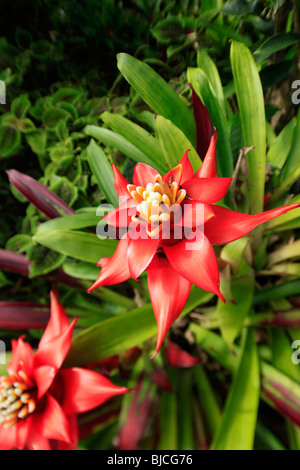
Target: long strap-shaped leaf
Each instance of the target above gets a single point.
(157, 94)
(252, 110)
(103, 172)
(239, 419)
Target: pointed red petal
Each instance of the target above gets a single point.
(195, 213)
(121, 216)
(228, 225)
(52, 422)
(53, 352)
(40, 196)
(85, 389)
(116, 270)
(178, 357)
(143, 174)
(140, 254)
(58, 319)
(23, 432)
(37, 441)
(73, 426)
(44, 376)
(208, 168)
(120, 183)
(187, 169)
(8, 438)
(21, 352)
(196, 261)
(204, 127)
(208, 190)
(168, 292)
(161, 379)
(174, 175)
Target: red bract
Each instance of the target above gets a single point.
(178, 357)
(39, 400)
(137, 418)
(155, 209)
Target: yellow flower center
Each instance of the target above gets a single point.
(16, 399)
(155, 202)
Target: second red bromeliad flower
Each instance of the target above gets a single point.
(172, 222)
(39, 399)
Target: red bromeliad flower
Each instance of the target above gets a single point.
(180, 201)
(39, 399)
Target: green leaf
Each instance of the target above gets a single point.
(108, 137)
(70, 222)
(275, 43)
(238, 8)
(209, 68)
(239, 294)
(103, 172)
(119, 334)
(168, 420)
(237, 428)
(233, 253)
(286, 289)
(69, 95)
(79, 245)
(66, 190)
(41, 49)
(52, 116)
(43, 260)
(185, 410)
(136, 135)
(10, 140)
(174, 144)
(26, 126)
(292, 163)
(285, 269)
(157, 94)
(287, 221)
(169, 30)
(20, 106)
(291, 250)
(267, 438)
(207, 399)
(281, 146)
(62, 131)
(252, 110)
(204, 90)
(229, 32)
(19, 243)
(23, 38)
(278, 384)
(37, 141)
(81, 270)
(281, 354)
(4, 281)
(69, 108)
